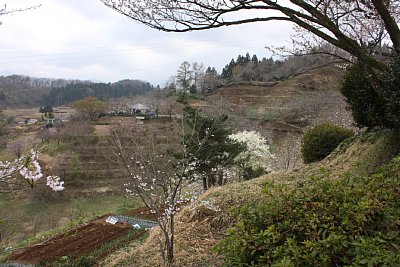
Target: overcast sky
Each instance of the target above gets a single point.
(83, 39)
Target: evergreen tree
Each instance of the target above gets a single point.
(247, 58)
(184, 77)
(216, 151)
(211, 80)
(46, 109)
(227, 71)
(241, 60)
(254, 59)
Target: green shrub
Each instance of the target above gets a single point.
(250, 172)
(348, 221)
(365, 104)
(66, 261)
(319, 141)
(370, 107)
(391, 95)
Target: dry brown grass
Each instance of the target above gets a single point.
(23, 113)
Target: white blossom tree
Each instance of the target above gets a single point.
(27, 170)
(257, 156)
(24, 171)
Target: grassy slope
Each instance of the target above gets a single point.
(199, 227)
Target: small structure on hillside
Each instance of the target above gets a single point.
(139, 109)
(54, 122)
(31, 121)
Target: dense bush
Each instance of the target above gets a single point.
(370, 107)
(365, 104)
(391, 95)
(319, 141)
(348, 221)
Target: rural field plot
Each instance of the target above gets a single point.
(96, 238)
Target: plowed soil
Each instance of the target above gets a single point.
(77, 242)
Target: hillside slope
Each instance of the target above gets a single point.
(203, 224)
(288, 105)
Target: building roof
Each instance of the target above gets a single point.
(138, 107)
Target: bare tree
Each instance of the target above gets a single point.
(353, 26)
(184, 76)
(170, 106)
(170, 85)
(44, 134)
(16, 147)
(198, 76)
(155, 100)
(288, 153)
(7, 230)
(158, 168)
(211, 80)
(116, 105)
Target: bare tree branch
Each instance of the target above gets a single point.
(5, 11)
(354, 26)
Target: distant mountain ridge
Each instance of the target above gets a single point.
(26, 91)
(35, 82)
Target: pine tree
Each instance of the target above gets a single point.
(254, 59)
(227, 71)
(216, 151)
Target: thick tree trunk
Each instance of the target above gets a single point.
(390, 23)
(220, 178)
(170, 246)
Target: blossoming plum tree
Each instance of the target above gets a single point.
(256, 157)
(28, 169)
(158, 169)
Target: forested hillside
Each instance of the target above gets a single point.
(250, 68)
(25, 91)
(79, 90)
(19, 90)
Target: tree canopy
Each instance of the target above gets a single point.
(78, 90)
(90, 107)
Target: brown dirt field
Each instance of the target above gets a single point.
(142, 213)
(78, 241)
